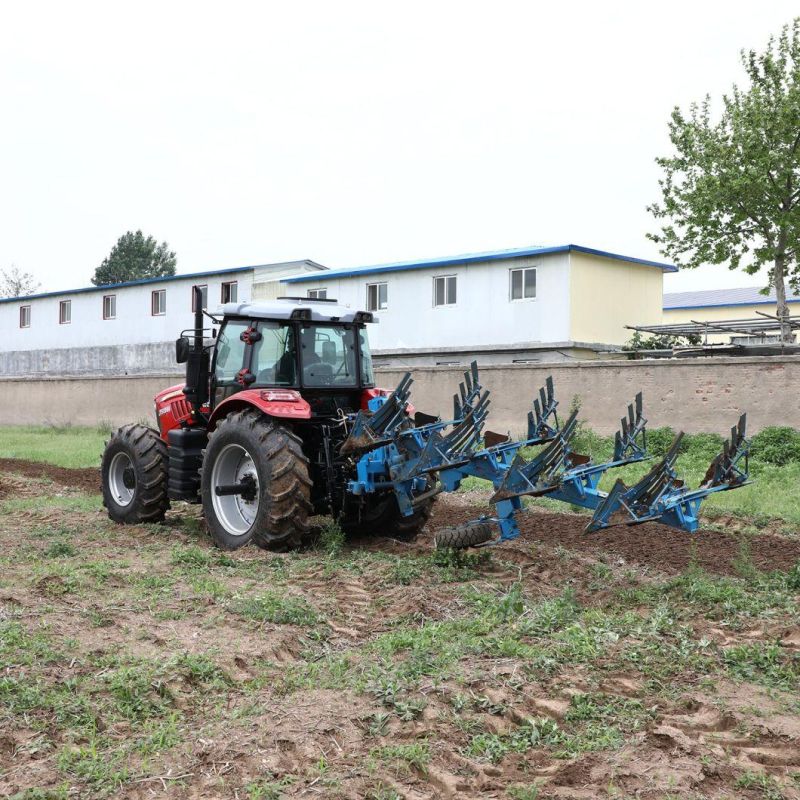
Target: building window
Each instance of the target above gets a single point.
(317, 294)
(158, 302)
(24, 316)
(65, 312)
(110, 306)
(204, 292)
(523, 283)
(230, 292)
(377, 296)
(444, 290)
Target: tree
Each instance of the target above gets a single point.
(15, 283)
(134, 257)
(731, 191)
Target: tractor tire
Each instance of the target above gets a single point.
(381, 517)
(463, 536)
(249, 447)
(134, 475)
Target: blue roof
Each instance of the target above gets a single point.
(476, 258)
(711, 298)
(140, 282)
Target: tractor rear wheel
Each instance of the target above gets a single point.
(380, 516)
(134, 472)
(263, 463)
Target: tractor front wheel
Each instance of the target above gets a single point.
(134, 472)
(255, 484)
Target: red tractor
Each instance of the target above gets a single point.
(255, 433)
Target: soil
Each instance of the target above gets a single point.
(87, 479)
(649, 544)
(97, 599)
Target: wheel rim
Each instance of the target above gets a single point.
(234, 513)
(122, 479)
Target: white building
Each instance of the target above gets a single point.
(120, 328)
(545, 303)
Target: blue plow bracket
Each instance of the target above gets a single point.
(419, 461)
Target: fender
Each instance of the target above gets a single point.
(280, 403)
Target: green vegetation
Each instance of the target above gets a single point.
(132, 653)
(62, 446)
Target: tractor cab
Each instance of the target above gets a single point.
(315, 347)
(311, 354)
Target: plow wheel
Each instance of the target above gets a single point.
(255, 484)
(134, 473)
(469, 535)
(381, 517)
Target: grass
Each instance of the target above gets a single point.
(63, 446)
(131, 656)
(772, 495)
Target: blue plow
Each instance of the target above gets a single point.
(421, 459)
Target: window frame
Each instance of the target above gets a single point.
(314, 294)
(523, 270)
(109, 297)
(377, 286)
(64, 304)
(153, 295)
(446, 279)
(203, 287)
(21, 310)
(227, 285)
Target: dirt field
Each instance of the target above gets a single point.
(636, 663)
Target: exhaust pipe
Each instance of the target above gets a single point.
(197, 364)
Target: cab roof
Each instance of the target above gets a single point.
(287, 308)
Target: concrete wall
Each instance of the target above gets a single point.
(154, 358)
(695, 395)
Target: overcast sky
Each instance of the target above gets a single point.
(351, 133)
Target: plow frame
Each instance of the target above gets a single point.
(401, 458)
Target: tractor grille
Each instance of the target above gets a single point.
(181, 408)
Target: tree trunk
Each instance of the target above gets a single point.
(779, 283)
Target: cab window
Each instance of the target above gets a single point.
(230, 351)
(328, 355)
(274, 355)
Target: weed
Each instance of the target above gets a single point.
(525, 792)
(404, 571)
(382, 792)
(793, 578)
(408, 710)
(138, 692)
(378, 725)
(192, 557)
(51, 793)
(411, 756)
(60, 550)
(93, 765)
(332, 539)
(760, 781)
(269, 606)
(776, 445)
(767, 664)
(268, 789)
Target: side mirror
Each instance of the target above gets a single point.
(182, 349)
